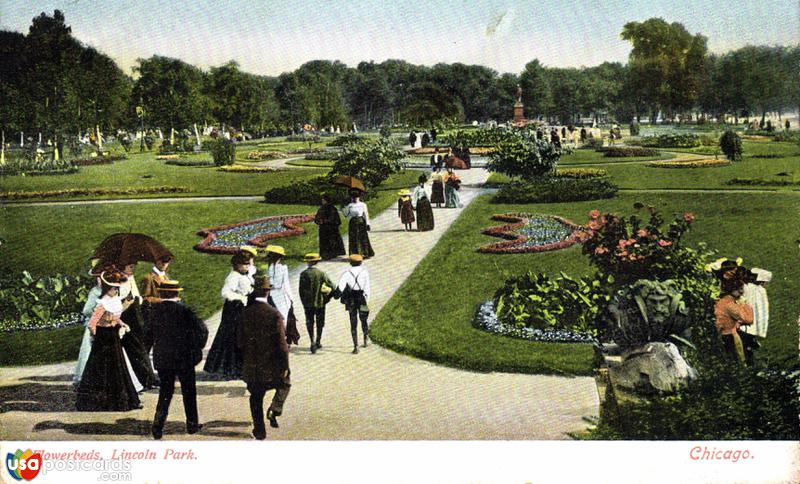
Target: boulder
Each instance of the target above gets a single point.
(653, 367)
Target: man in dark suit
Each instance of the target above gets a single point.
(178, 337)
(315, 289)
(261, 336)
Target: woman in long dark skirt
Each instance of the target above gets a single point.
(224, 358)
(106, 384)
(437, 188)
(134, 340)
(424, 210)
(330, 240)
(358, 214)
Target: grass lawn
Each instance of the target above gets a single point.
(143, 170)
(751, 149)
(312, 163)
(581, 156)
(430, 315)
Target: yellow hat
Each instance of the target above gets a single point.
(356, 258)
(173, 286)
(312, 257)
(405, 192)
(277, 249)
(249, 249)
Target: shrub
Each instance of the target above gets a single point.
(477, 137)
(180, 162)
(593, 143)
(29, 302)
(306, 138)
(731, 144)
(671, 141)
(33, 167)
(302, 151)
(627, 151)
(308, 192)
(98, 160)
(709, 140)
(537, 301)
(523, 157)
(634, 129)
(223, 151)
(761, 182)
(385, 132)
(581, 173)
(371, 161)
(553, 190)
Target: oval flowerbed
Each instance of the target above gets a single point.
(226, 239)
(486, 319)
(529, 232)
(705, 163)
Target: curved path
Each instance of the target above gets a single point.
(376, 394)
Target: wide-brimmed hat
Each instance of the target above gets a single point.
(275, 249)
(113, 278)
(357, 258)
(404, 193)
(170, 285)
(249, 249)
(97, 268)
(312, 257)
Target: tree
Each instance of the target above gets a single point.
(731, 144)
(172, 92)
(428, 103)
(239, 99)
(536, 94)
(371, 161)
(524, 157)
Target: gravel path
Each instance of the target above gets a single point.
(376, 394)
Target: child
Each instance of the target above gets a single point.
(405, 209)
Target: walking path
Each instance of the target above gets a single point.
(376, 394)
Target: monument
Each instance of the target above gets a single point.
(519, 117)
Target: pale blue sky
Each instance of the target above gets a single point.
(278, 36)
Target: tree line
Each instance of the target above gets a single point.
(51, 82)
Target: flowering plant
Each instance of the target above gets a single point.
(632, 248)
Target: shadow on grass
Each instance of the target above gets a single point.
(133, 426)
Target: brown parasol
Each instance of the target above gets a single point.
(349, 182)
(127, 248)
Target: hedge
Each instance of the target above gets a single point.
(627, 151)
(308, 192)
(554, 189)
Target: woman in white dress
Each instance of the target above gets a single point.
(358, 215)
(278, 274)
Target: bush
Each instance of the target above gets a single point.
(553, 190)
(709, 140)
(385, 132)
(180, 162)
(98, 160)
(523, 157)
(593, 143)
(30, 302)
(634, 129)
(308, 192)
(223, 151)
(537, 301)
(761, 182)
(371, 161)
(627, 151)
(731, 144)
(306, 138)
(671, 141)
(477, 137)
(33, 167)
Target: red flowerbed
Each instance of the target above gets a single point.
(226, 239)
(520, 243)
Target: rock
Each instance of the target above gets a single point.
(654, 366)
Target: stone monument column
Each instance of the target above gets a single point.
(519, 117)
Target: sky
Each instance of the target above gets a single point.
(271, 37)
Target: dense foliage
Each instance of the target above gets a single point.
(523, 156)
(671, 141)
(29, 301)
(371, 161)
(308, 192)
(22, 166)
(627, 151)
(223, 151)
(731, 144)
(556, 189)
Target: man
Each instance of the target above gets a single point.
(261, 336)
(315, 290)
(354, 289)
(755, 294)
(150, 283)
(178, 339)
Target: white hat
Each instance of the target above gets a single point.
(762, 275)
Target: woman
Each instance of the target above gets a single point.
(278, 273)
(358, 214)
(452, 184)
(405, 209)
(437, 190)
(224, 357)
(95, 293)
(134, 340)
(423, 206)
(330, 240)
(106, 384)
(731, 313)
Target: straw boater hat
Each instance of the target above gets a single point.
(356, 258)
(404, 193)
(249, 249)
(170, 286)
(312, 257)
(276, 249)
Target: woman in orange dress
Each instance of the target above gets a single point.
(731, 313)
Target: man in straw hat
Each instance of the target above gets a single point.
(354, 289)
(261, 336)
(315, 291)
(178, 337)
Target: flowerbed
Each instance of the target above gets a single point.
(98, 160)
(581, 173)
(528, 232)
(64, 321)
(190, 162)
(265, 155)
(627, 151)
(704, 163)
(77, 192)
(486, 319)
(247, 169)
(33, 168)
(671, 141)
(761, 182)
(168, 157)
(226, 239)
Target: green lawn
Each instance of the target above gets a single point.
(312, 163)
(580, 156)
(143, 170)
(751, 149)
(430, 315)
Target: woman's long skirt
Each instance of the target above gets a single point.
(83, 355)
(106, 384)
(437, 192)
(452, 199)
(359, 238)
(330, 242)
(224, 357)
(424, 215)
(133, 342)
